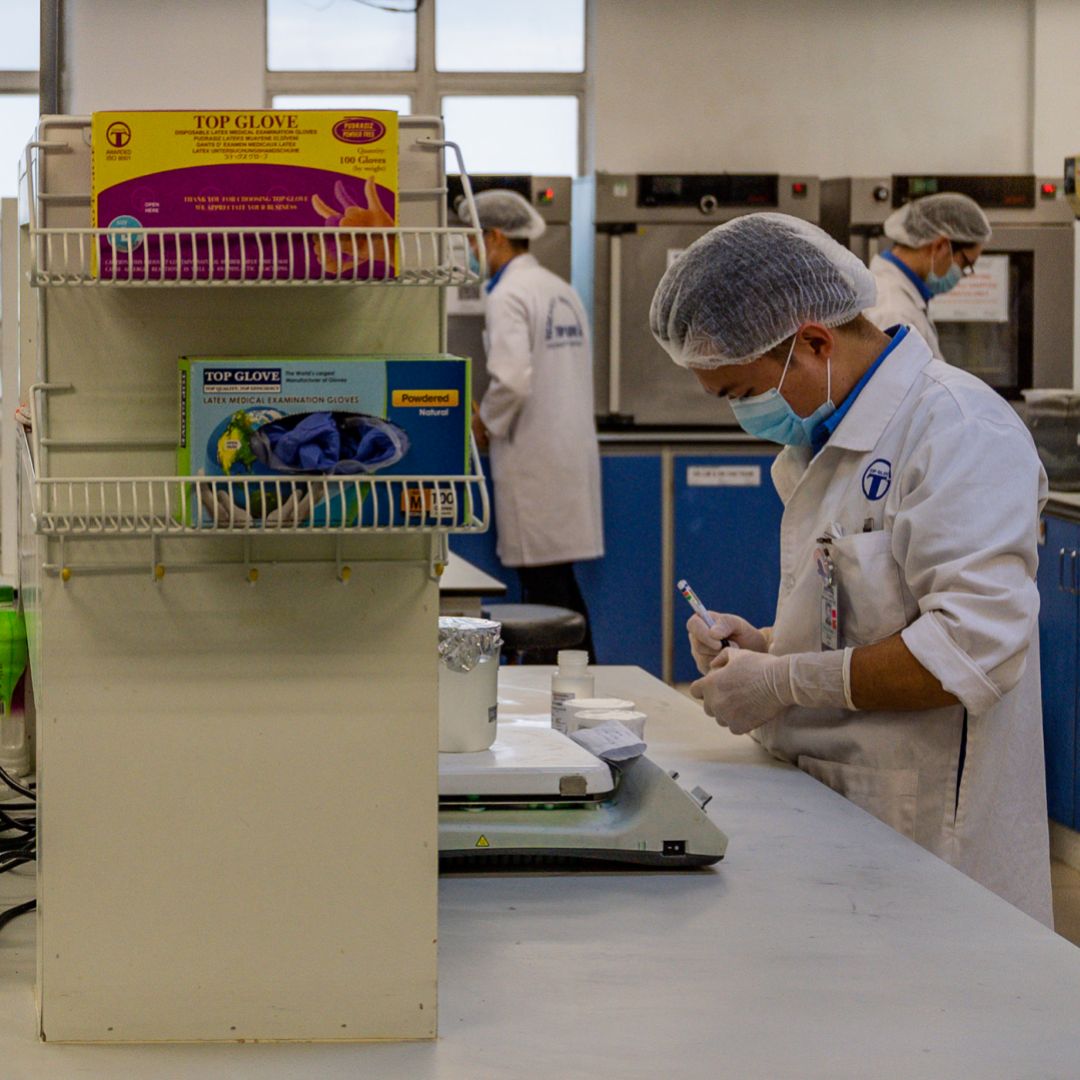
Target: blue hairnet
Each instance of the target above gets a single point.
(750, 283)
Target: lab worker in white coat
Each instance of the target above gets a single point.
(936, 241)
(902, 666)
(537, 415)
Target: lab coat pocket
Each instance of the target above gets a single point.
(870, 595)
(891, 795)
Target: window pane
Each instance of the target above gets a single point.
(20, 48)
(492, 35)
(399, 103)
(18, 118)
(537, 135)
(339, 35)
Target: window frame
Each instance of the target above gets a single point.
(427, 86)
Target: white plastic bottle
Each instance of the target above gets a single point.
(571, 679)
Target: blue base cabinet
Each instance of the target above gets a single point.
(623, 590)
(1059, 647)
(727, 541)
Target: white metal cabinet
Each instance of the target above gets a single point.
(237, 728)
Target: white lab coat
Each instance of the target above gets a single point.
(937, 488)
(900, 303)
(538, 408)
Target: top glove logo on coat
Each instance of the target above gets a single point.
(877, 479)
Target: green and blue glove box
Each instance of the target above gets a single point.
(307, 435)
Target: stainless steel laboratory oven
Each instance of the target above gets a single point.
(1022, 334)
(627, 231)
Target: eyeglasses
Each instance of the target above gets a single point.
(967, 266)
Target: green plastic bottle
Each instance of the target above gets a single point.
(14, 752)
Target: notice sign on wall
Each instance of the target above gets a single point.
(980, 297)
(723, 476)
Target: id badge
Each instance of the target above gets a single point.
(830, 612)
(830, 621)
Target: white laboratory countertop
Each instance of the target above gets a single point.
(824, 946)
(1066, 503)
(461, 578)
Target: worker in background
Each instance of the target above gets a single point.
(536, 417)
(936, 241)
(902, 666)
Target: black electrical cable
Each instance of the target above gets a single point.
(16, 911)
(18, 850)
(11, 825)
(26, 846)
(27, 827)
(14, 784)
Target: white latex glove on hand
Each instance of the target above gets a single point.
(747, 689)
(707, 643)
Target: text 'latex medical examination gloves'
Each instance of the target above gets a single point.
(506, 211)
(950, 214)
(748, 689)
(749, 284)
(707, 643)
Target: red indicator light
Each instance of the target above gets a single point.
(546, 196)
(798, 188)
(1049, 190)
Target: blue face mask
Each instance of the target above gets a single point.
(769, 416)
(942, 283)
(474, 263)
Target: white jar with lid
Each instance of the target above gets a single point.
(577, 704)
(587, 718)
(468, 684)
(570, 680)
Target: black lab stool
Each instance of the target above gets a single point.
(536, 627)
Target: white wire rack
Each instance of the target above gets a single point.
(149, 257)
(232, 257)
(157, 506)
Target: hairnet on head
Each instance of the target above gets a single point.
(747, 285)
(504, 210)
(950, 214)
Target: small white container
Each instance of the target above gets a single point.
(588, 718)
(571, 680)
(468, 684)
(577, 704)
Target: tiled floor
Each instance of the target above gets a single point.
(1066, 885)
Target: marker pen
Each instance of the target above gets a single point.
(692, 599)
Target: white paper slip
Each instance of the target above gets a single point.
(610, 741)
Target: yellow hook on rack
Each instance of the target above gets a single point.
(344, 574)
(253, 575)
(159, 571)
(65, 574)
